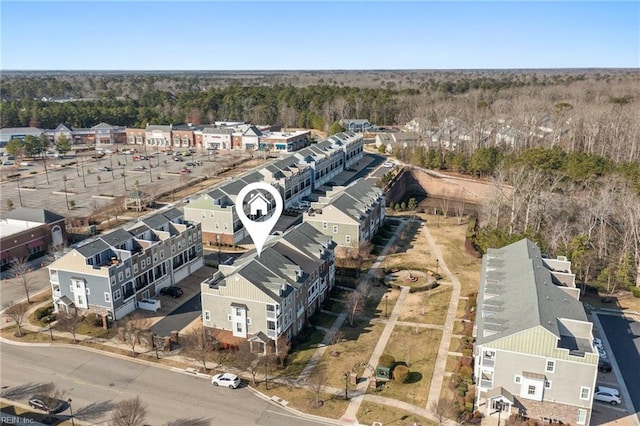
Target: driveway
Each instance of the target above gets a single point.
(180, 317)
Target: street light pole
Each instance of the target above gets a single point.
(66, 196)
(19, 192)
(111, 166)
(386, 296)
(346, 382)
(73, 423)
(83, 181)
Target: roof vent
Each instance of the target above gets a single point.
(548, 296)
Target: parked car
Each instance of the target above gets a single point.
(139, 168)
(602, 352)
(604, 365)
(104, 169)
(26, 163)
(226, 379)
(607, 389)
(8, 163)
(172, 291)
(388, 164)
(607, 397)
(176, 158)
(185, 171)
(190, 164)
(47, 404)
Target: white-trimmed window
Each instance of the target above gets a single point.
(204, 215)
(325, 225)
(347, 239)
(585, 392)
(207, 315)
(173, 248)
(517, 379)
(113, 279)
(135, 268)
(547, 384)
(116, 294)
(87, 290)
(229, 318)
(335, 229)
(127, 273)
(161, 254)
(248, 321)
(551, 366)
(531, 390)
(212, 214)
(582, 416)
(155, 257)
(120, 276)
(107, 297)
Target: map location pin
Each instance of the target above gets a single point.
(259, 206)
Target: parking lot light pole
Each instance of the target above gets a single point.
(111, 166)
(386, 296)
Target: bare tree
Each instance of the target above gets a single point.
(129, 412)
(335, 338)
(19, 269)
(249, 360)
(18, 313)
(69, 322)
(441, 409)
(355, 303)
(317, 382)
(52, 397)
(197, 342)
(130, 332)
(459, 205)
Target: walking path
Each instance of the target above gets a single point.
(441, 360)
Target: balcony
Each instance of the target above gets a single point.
(486, 384)
(488, 362)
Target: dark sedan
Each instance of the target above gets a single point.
(172, 291)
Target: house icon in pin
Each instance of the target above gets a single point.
(258, 205)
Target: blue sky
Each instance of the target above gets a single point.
(299, 35)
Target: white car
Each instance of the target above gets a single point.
(607, 390)
(606, 397)
(228, 380)
(602, 352)
(388, 164)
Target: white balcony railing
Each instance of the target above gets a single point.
(488, 362)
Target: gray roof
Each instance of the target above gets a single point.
(517, 293)
(355, 199)
(34, 215)
(163, 127)
(172, 214)
(116, 237)
(156, 221)
(92, 248)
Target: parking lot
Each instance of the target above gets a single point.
(83, 185)
(621, 338)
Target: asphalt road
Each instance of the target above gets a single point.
(96, 383)
(623, 335)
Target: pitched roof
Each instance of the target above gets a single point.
(116, 237)
(517, 293)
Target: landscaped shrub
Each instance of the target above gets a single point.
(401, 373)
(386, 360)
(94, 319)
(43, 311)
(635, 291)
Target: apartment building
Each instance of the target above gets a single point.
(350, 215)
(291, 176)
(215, 211)
(100, 134)
(119, 272)
(352, 145)
(263, 298)
(325, 159)
(534, 352)
(285, 141)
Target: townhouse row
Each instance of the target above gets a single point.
(118, 272)
(534, 353)
(294, 176)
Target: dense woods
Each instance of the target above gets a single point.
(576, 189)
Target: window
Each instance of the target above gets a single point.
(207, 315)
(173, 248)
(248, 321)
(271, 325)
(87, 290)
(190, 238)
(116, 294)
(582, 416)
(271, 308)
(547, 384)
(531, 390)
(347, 239)
(584, 392)
(127, 272)
(155, 257)
(113, 280)
(212, 214)
(229, 318)
(135, 268)
(238, 312)
(72, 288)
(239, 327)
(217, 225)
(80, 300)
(162, 254)
(204, 215)
(120, 276)
(335, 229)
(107, 297)
(551, 366)
(325, 225)
(517, 379)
